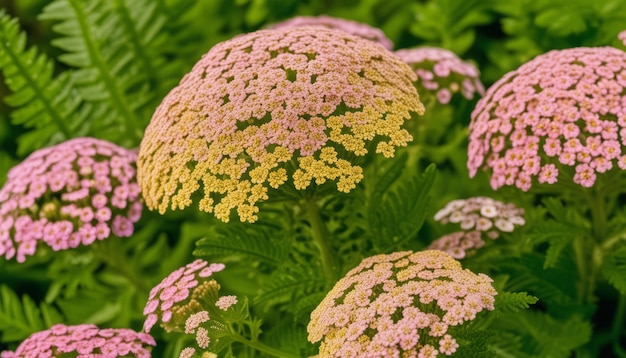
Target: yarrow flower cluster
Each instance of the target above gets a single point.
(458, 244)
(350, 27)
(178, 302)
(562, 109)
(399, 305)
(442, 73)
(85, 340)
(475, 216)
(274, 107)
(73, 193)
(482, 214)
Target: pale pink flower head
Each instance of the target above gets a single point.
(272, 109)
(441, 74)
(186, 298)
(562, 111)
(394, 305)
(355, 28)
(482, 214)
(84, 340)
(63, 195)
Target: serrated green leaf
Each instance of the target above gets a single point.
(42, 102)
(252, 241)
(614, 269)
(513, 301)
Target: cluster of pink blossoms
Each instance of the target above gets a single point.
(442, 73)
(350, 27)
(399, 305)
(564, 109)
(83, 341)
(73, 193)
(178, 300)
(285, 108)
(475, 216)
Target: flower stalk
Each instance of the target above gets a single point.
(321, 237)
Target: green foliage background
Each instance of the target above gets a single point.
(100, 67)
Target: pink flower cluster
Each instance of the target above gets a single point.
(73, 193)
(84, 341)
(622, 37)
(482, 213)
(442, 73)
(271, 109)
(399, 305)
(183, 294)
(562, 110)
(350, 27)
(458, 244)
(475, 216)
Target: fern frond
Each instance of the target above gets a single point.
(397, 215)
(553, 286)
(614, 269)
(252, 241)
(513, 301)
(289, 336)
(148, 38)
(47, 104)
(290, 286)
(107, 73)
(21, 318)
(557, 234)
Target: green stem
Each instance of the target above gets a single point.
(581, 264)
(261, 347)
(321, 237)
(589, 249)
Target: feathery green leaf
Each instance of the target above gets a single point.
(614, 269)
(47, 104)
(21, 318)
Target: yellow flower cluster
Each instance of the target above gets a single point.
(274, 108)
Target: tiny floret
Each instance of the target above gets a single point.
(358, 29)
(67, 195)
(560, 113)
(85, 340)
(274, 109)
(399, 305)
(441, 74)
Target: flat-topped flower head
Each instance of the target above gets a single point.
(84, 340)
(563, 110)
(399, 305)
(441, 74)
(73, 193)
(459, 244)
(482, 214)
(186, 298)
(355, 28)
(274, 108)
